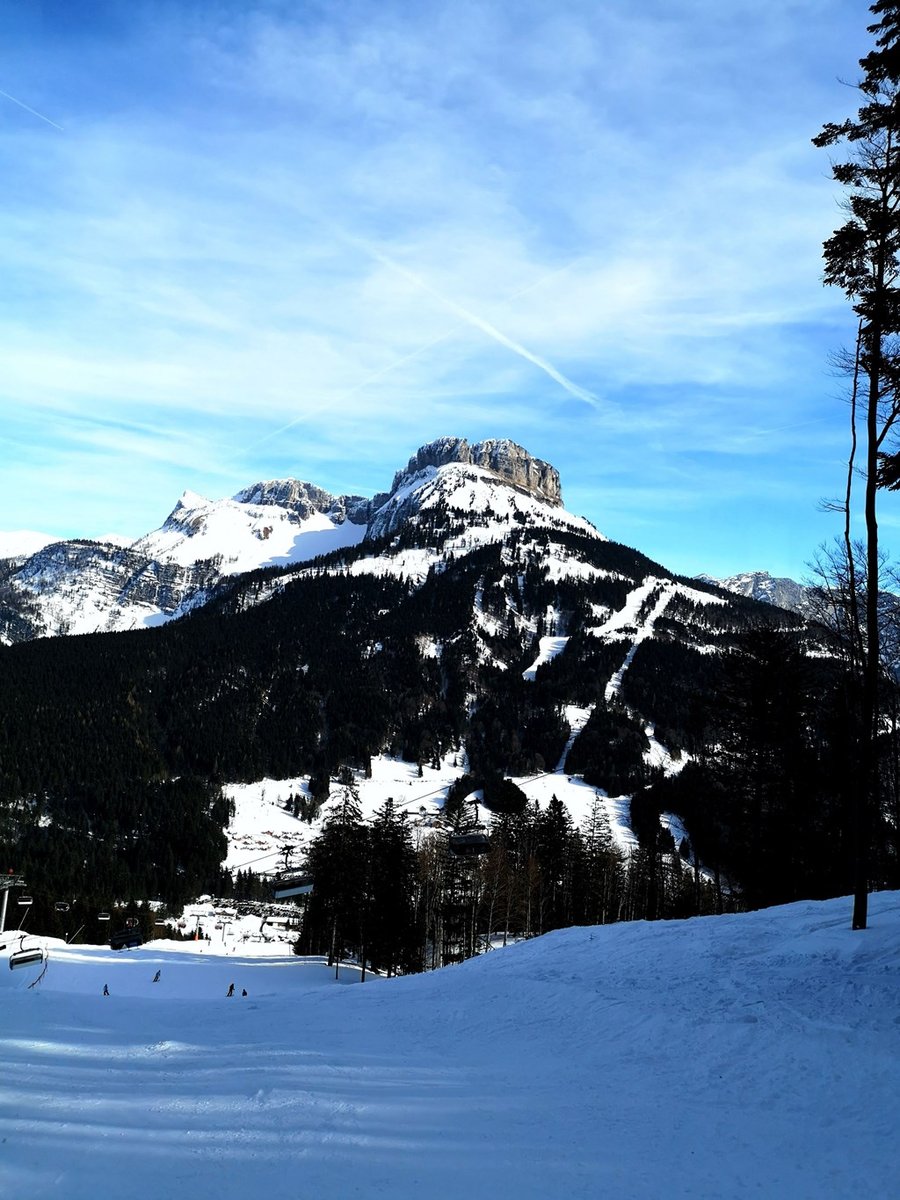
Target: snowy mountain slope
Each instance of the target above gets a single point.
(272, 524)
(491, 484)
(768, 1065)
(484, 627)
(489, 626)
(263, 825)
(76, 587)
(451, 510)
(458, 495)
(79, 587)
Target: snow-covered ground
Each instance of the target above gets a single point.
(548, 649)
(262, 828)
(727, 1057)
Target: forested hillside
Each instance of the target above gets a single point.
(482, 624)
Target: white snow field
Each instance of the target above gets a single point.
(261, 828)
(740, 1056)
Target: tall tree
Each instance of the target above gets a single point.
(392, 876)
(863, 258)
(338, 860)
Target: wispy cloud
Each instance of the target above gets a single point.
(311, 241)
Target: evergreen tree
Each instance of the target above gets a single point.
(600, 868)
(392, 933)
(863, 258)
(555, 850)
(337, 912)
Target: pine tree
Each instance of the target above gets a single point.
(338, 861)
(555, 853)
(863, 258)
(392, 877)
(600, 868)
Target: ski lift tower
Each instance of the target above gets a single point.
(7, 882)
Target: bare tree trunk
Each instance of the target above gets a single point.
(868, 796)
(856, 641)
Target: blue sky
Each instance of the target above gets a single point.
(244, 241)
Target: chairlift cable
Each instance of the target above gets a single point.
(524, 783)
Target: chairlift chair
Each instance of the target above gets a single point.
(62, 906)
(25, 901)
(293, 883)
(25, 956)
(125, 939)
(469, 844)
(104, 916)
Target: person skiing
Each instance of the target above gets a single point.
(106, 989)
(243, 991)
(156, 977)
(230, 991)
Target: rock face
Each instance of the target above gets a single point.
(85, 587)
(304, 499)
(509, 462)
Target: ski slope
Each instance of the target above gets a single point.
(727, 1057)
(261, 828)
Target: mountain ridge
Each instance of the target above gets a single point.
(761, 585)
(80, 586)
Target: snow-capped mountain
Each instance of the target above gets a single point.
(48, 588)
(463, 617)
(769, 589)
(272, 524)
(452, 491)
(485, 487)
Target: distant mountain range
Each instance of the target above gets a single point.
(760, 585)
(52, 588)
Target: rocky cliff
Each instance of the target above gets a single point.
(510, 462)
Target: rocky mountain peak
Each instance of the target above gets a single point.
(287, 493)
(304, 499)
(509, 461)
(770, 589)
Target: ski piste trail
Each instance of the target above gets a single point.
(738, 1056)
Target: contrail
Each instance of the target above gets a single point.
(34, 112)
(357, 387)
(399, 362)
(741, 439)
(480, 323)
